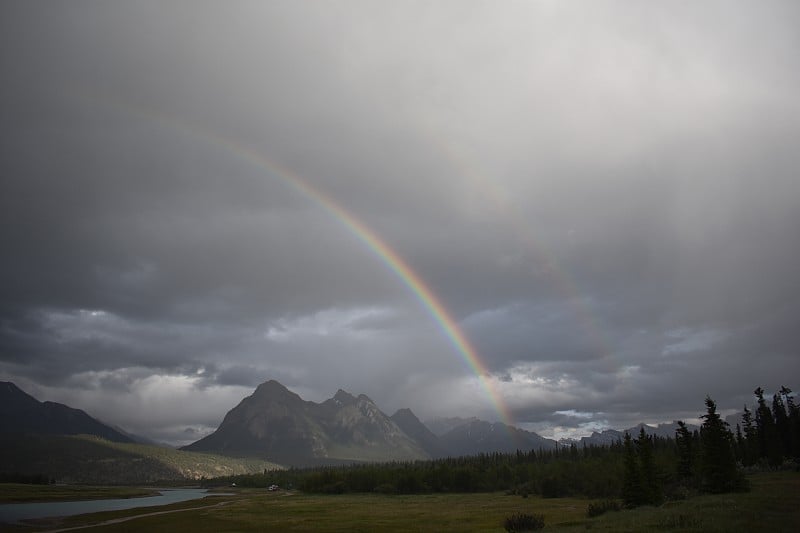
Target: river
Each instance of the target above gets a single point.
(14, 512)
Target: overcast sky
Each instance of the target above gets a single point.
(604, 195)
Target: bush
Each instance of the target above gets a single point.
(386, 488)
(681, 521)
(598, 508)
(524, 522)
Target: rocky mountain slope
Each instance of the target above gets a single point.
(277, 424)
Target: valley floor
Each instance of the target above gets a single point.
(772, 505)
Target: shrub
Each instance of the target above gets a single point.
(385, 488)
(598, 508)
(681, 521)
(519, 522)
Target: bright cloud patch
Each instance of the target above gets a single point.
(359, 322)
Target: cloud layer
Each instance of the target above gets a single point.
(604, 197)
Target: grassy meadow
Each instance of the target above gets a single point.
(773, 505)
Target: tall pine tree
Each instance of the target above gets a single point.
(718, 471)
(782, 430)
(751, 444)
(632, 477)
(769, 447)
(686, 454)
(651, 484)
(793, 412)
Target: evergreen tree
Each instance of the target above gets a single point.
(768, 445)
(632, 478)
(718, 472)
(782, 430)
(740, 445)
(651, 486)
(751, 445)
(683, 441)
(793, 412)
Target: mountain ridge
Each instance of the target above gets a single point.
(277, 424)
(611, 436)
(22, 413)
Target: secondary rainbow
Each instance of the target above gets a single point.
(390, 258)
(507, 207)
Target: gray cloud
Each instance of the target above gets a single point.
(604, 198)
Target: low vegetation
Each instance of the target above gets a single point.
(771, 505)
(194, 465)
(92, 460)
(520, 522)
(602, 507)
(26, 493)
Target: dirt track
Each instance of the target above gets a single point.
(128, 518)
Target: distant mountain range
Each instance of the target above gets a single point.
(274, 424)
(610, 436)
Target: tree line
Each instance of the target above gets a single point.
(641, 470)
(713, 458)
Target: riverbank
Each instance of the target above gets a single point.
(15, 513)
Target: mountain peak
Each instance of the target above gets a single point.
(343, 397)
(270, 386)
(405, 412)
(8, 386)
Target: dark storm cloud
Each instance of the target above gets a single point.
(605, 198)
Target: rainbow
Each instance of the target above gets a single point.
(373, 242)
(392, 260)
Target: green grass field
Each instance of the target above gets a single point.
(772, 505)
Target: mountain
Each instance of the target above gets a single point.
(477, 436)
(277, 424)
(659, 430)
(606, 437)
(440, 426)
(22, 413)
(611, 436)
(411, 426)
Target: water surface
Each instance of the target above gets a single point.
(14, 512)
